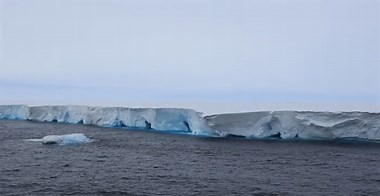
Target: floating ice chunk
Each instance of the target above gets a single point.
(74, 138)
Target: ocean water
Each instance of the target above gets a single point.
(125, 162)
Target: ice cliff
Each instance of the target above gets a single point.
(280, 124)
(162, 119)
(14, 112)
(303, 125)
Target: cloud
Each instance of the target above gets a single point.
(199, 50)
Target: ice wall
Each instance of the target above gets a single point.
(280, 124)
(163, 119)
(13, 112)
(291, 124)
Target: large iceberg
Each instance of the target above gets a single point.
(162, 119)
(279, 124)
(292, 124)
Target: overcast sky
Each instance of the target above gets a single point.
(210, 55)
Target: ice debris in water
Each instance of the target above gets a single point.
(74, 138)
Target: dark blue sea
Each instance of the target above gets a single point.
(131, 162)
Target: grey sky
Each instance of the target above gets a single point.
(211, 55)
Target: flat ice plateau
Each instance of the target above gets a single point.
(279, 124)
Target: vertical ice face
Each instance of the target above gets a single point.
(14, 112)
(163, 119)
(281, 124)
(303, 125)
(252, 124)
(68, 114)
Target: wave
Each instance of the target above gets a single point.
(278, 124)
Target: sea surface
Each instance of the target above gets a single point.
(131, 162)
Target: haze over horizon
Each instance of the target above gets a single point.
(211, 56)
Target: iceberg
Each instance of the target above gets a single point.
(14, 112)
(301, 125)
(266, 124)
(73, 138)
(160, 119)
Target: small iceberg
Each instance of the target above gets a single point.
(74, 138)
